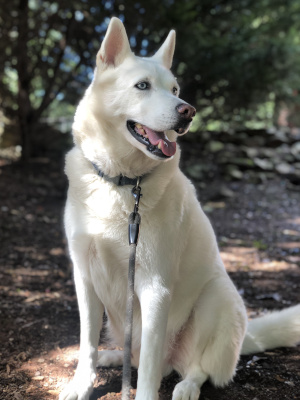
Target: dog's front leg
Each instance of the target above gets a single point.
(91, 313)
(155, 301)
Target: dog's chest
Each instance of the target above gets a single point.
(109, 249)
(108, 261)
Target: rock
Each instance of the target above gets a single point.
(234, 172)
(226, 192)
(251, 152)
(283, 168)
(295, 150)
(268, 153)
(194, 171)
(38, 378)
(221, 193)
(263, 163)
(282, 136)
(239, 161)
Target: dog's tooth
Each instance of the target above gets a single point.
(159, 145)
(138, 126)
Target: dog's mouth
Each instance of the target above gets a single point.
(156, 142)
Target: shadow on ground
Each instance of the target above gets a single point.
(258, 228)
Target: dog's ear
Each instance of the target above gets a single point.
(166, 51)
(115, 46)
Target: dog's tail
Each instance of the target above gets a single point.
(277, 329)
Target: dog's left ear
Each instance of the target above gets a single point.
(115, 46)
(166, 51)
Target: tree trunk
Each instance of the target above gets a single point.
(25, 111)
(25, 130)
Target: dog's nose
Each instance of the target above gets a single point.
(186, 111)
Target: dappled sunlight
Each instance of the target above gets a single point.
(294, 220)
(52, 370)
(250, 259)
(289, 245)
(258, 227)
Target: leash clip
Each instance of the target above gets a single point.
(136, 192)
(134, 218)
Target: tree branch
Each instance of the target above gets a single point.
(48, 96)
(51, 22)
(52, 95)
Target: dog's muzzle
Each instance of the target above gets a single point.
(156, 142)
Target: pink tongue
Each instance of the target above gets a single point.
(167, 147)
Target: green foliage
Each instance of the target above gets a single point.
(260, 245)
(244, 58)
(236, 60)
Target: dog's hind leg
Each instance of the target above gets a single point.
(110, 358)
(210, 344)
(189, 388)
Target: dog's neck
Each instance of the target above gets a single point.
(119, 180)
(112, 162)
(121, 159)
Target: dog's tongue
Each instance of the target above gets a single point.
(159, 138)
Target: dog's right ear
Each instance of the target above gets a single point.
(115, 46)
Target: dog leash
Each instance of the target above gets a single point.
(133, 235)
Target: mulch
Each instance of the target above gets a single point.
(258, 229)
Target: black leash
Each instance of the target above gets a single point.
(133, 235)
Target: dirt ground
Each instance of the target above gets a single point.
(258, 229)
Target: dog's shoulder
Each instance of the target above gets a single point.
(80, 173)
(75, 164)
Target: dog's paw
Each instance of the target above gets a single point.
(79, 388)
(110, 358)
(186, 390)
(146, 397)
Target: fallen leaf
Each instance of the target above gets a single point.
(54, 392)
(57, 251)
(38, 378)
(279, 378)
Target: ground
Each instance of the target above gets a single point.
(258, 229)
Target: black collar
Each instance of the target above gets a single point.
(119, 180)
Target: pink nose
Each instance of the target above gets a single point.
(186, 111)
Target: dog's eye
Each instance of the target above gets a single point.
(143, 85)
(175, 90)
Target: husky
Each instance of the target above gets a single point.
(188, 316)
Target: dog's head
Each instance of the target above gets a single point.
(138, 97)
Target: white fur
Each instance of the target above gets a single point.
(188, 315)
(278, 329)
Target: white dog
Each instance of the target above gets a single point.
(188, 315)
